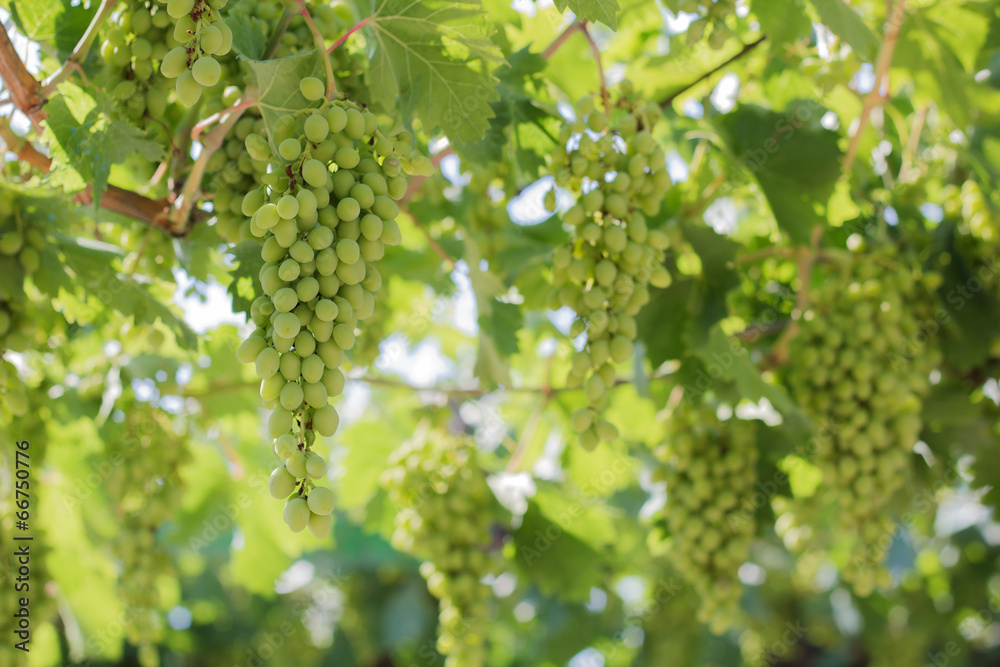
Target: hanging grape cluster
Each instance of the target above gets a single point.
(617, 171)
(146, 488)
(446, 519)
(860, 367)
(712, 21)
(325, 211)
(20, 245)
(132, 52)
(202, 34)
(710, 470)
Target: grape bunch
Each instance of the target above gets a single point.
(859, 366)
(711, 22)
(202, 34)
(146, 488)
(617, 172)
(231, 171)
(447, 510)
(325, 211)
(132, 51)
(709, 466)
(20, 247)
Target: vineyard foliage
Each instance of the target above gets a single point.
(487, 333)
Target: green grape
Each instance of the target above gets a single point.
(312, 88)
(211, 41)
(206, 71)
(289, 149)
(320, 525)
(326, 420)
(445, 517)
(281, 484)
(708, 468)
(296, 514)
(315, 173)
(321, 500)
(179, 8)
(604, 270)
(838, 368)
(316, 128)
(188, 89)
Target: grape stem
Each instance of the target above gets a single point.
(779, 353)
(600, 67)
(875, 96)
(361, 24)
(180, 220)
(81, 50)
(561, 39)
(747, 48)
(331, 85)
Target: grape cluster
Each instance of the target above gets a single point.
(202, 34)
(617, 171)
(325, 211)
(710, 470)
(20, 245)
(132, 50)
(712, 22)
(860, 367)
(231, 171)
(446, 519)
(146, 487)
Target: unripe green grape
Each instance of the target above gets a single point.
(321, 500)
(320, 525)
(355, 127)
(316, 128)
(296, 514)
(251, 348)
(267, 363)
(336, 117)
(289, 269)
(314, 172)
(206, 71)
(307, 289)
(285, 446)
(175, 63)
(285, 300)
(289, 149)
(290, 366)
(347, 157)
(385, 208)
(291, 396)
(178, 8)
(313, 369)
(316, 468)
(326, 420)
(280, 422)
(281, 484)
(286, 325)
(312, 88)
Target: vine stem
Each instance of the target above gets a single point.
(358, 26)
(561, 39)
(882, 62)
(747, 48)
(22, 86)
(600, 67)
(331, 85)
(200, 127)
(779, 353)
(79, 54)
(179, 221)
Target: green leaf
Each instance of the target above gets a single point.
(84, 141)
(501, 322)
(278, 85)
(794, 158)
(433, 59)
(848, 25)
(605, 11)
(783, 21)
(58, 21)
(249, 40)
(245, 285)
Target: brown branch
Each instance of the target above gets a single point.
(742, 52)
(882, 62)
(24, 89)
(181, 220)
(561, 39)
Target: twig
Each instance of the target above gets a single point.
(79, 54)
(179, 221)
(358, 26)
(561, 39)
(200, 127)
(331, 85)
(882, 62)
(742, 52)
(779, 353)
(600, 66)
(22, 85)
(531, 427)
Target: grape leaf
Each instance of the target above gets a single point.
(848, 25)
(794, 158)
(605, 11)
(278, 85)
(249, 40)
(246, 283)
(84, 141)
(58, 21)
(783, 21)
(433, 59)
